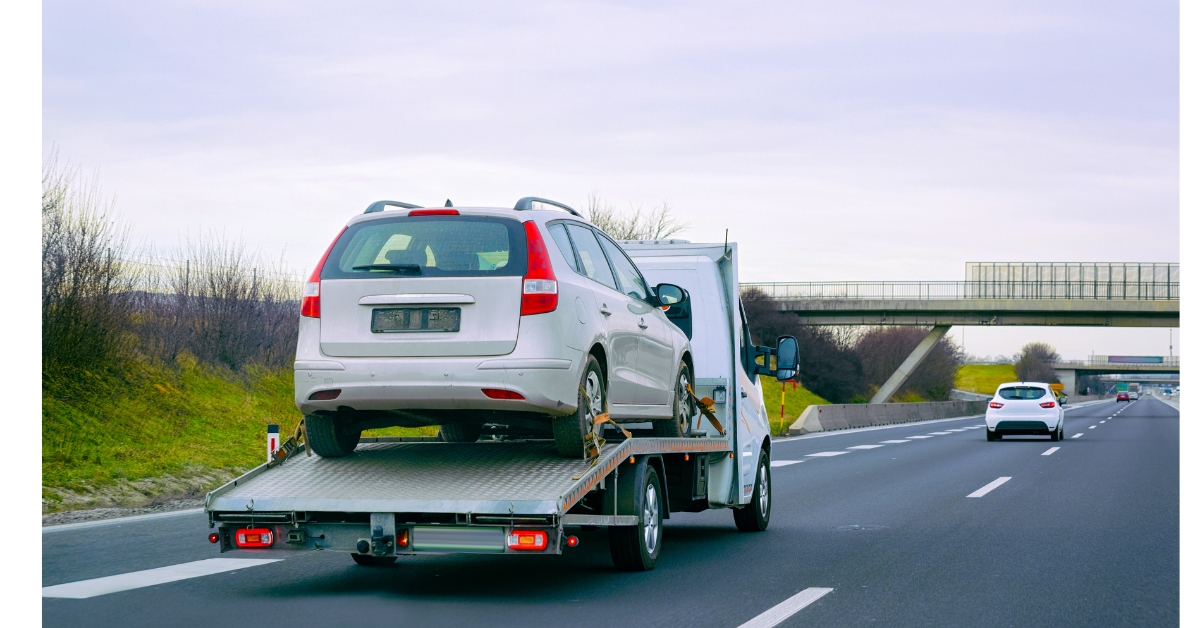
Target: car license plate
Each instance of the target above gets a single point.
(414, 319)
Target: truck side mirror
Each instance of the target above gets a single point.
(787, 358)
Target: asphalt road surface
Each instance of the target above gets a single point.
(1084, 535)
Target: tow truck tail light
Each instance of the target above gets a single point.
(214, 537)
(1047, 404)
(253, 537)
(539, 292)
(532, 540)
(995, 404)
(310, 299)
(402, 538)
(500, 393)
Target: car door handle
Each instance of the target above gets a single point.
(605, 311)
(642, 323)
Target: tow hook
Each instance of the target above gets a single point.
(380, 545)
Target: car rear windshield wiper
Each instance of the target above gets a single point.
(409, 268)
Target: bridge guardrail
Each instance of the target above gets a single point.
(961, 290)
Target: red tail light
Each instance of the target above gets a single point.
(325, 395)
(540, 289)
(532, 540)
(402, 538)
(253, 537)
(498, 393)
(433, 212)
(1047, 404)
(214, 537)
(995, 404)
(310, 301)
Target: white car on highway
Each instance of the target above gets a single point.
(528, 320)
(1024, 408)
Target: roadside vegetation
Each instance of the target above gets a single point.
(984, 378)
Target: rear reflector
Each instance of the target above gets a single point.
(539, 293)
(995, 404)
(497, 393)
(253, 537)
(214, 537)
(310, 299)
(433, 212)
(532, 540)
(1047, 404)
(325, 395)
(572, 541)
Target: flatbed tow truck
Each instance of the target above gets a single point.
(403, 496)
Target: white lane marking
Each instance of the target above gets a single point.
(1103, 421)
(1050, 451)
(920, 437)
(989, 488)
(894, 442)
(865, 447)
(1091, 427)
(939, 433)
(150, 577)
(62, 527)
(781, 611)
(1077, 435)
(784, 463)
(961, 429)
(826, 454)
(974, 427)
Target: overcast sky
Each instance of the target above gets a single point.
(837, 140)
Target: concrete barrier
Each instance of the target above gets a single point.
(824, 418)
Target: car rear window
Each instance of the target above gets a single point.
(1022, 392)
(428, 246)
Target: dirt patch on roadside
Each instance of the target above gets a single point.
(130, 497)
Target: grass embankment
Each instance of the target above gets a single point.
(984, 378)
(151, 432)
(796, 400)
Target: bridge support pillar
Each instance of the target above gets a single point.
(910, 364)
(1069, 382)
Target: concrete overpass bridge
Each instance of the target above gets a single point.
(1100, 294)
(1127, 366)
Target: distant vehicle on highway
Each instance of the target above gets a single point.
(1024, 408)
(1134, 395)
(1122, 396)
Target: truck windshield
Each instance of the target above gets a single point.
(428, 246)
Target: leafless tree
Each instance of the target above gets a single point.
(883, 349)
(657, 224)
(1035, 363)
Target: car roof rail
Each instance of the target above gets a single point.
(379, 206)
(527, 204)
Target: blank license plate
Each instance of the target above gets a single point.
(404, 319)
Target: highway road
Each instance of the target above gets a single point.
(908, 526)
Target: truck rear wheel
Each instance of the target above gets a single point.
(755, 516)
(460, 432)
(682, 407)
(636, 548)
(329, 437)
(570, 430)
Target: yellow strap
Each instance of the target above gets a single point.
(706, 409)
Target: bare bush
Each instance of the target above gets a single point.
(1035, 363)
(883, 349)
(657, 224)
(86, 288)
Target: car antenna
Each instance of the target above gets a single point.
(448, 203)
(727, 244)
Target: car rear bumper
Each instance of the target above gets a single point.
(1032, 428)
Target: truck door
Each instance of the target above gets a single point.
(751, 420)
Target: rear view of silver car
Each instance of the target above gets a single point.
(1024, 408)
(523, 322)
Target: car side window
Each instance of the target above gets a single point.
(591, 256)
(558, 231)
(631, 280)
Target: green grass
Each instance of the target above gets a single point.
(148, 421)
(795, 402)
(984, 378)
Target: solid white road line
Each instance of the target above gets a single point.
(781, 611)
(62, 527)
(920, 437)
(894, 442)
(989, 488)
(1050, 451)
(150, 577)
(865, 447)
(784, 463)
(826, 454)
(1077, 435)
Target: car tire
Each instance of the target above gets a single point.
(330, 437)
(991, 436)
(755, 516)
(1055, 435)
(682, 407)
(460, 432)
(636, 548)
(569, 430)
(367, 560)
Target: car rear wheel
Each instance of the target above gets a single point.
(1054, 436)
(682, 407)
(991, 436)
(460, 432)
(330, 437)
(569, 430)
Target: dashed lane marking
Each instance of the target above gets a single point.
(1103, 421)
(826, 454)
(784, 463)
(989, 487)
(920, 437)
(865, 447)
(1091, 427)
(961, 429)
(894, 442)
(785, 609)
(939, 433)
(1049, 451)
(150, 577)
(1077, 435)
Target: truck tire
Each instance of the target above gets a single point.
(329, 437)
(367, 560)
(682, 407)
(569, 430)
(636, 548)
(755, 516)
(460, 432)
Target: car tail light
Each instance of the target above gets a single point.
(499, 393)
(325, 395)
(433, 212)
(531, 540)
(540, 288)
(253, 537)
(995, 404)
(1047, 404)
(310, 299)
